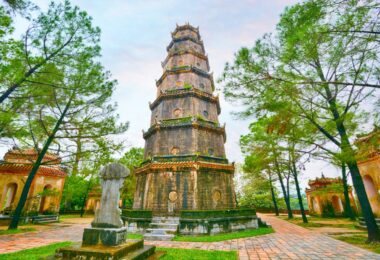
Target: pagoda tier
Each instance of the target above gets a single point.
(185, 165)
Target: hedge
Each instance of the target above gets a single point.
(204, 214)
(130, 213)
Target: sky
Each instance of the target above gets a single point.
(134, 39)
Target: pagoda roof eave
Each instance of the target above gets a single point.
(12, 168)
(178, 166)
(182, 39)
(186, 27)
(186, 69)
(187, 92)
(193, 124)
(186, 51)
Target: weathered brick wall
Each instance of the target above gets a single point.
(188, 105)
(185, 60)
(177, 81)
(193, 190)
(188, 140)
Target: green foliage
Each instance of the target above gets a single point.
(328, 210)
(331, 188)
(132, 159)
(35, 253)
(205, 214)
(74, 191)
(187, 86)
(226, 236)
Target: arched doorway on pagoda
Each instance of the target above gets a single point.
(372, 193)
(45, 199)
(337, 204)
(9, 195)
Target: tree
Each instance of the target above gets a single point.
(259, 189)
(131, 159)
(61, 33)
(326, 77)
(68, 92)
(262, 142)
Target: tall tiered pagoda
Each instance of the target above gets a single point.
(185, 165)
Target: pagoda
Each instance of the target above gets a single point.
(185, 166)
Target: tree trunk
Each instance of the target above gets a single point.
(36, 166)
(286, 198)
(373, 229)
(85, 198)
(295, 175)
(350, 160)
(274, 198)
(347, 203)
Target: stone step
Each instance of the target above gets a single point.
(163, 225)
(161, 231)
(168, 221)
(150, 237)
(142, 253)
(45, 220)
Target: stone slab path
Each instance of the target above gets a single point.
(289, 242)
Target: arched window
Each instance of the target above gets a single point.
(10, 194)
(205, 113)
(177, 112)
(337, 204)
(44, 205)
(179, 83)
(174, 150)
(202, 86)
(210, 151)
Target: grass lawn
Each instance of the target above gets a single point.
(74, 216)
(190, 254)
(34, 253)
(227, 236)
(171, 253)
(315, 222)
(134, 236)
(359, 240)
(16, 231)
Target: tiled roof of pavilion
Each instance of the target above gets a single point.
(21, 161)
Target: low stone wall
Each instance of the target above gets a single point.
(136, 225)
(212, 226)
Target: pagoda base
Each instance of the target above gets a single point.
(169, 187)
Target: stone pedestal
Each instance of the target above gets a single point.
(131, 249)
(104, 236)
(106, 239)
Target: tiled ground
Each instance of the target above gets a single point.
(289, 242)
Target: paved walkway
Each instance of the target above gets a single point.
(289, 242)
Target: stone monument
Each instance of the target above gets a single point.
(107, 228)
(106, 238)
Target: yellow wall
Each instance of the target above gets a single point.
(33, 202)
(370, 172)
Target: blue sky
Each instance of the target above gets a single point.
(134, 39)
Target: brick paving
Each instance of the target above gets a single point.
(289, 242)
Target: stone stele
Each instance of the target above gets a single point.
(107, 227)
